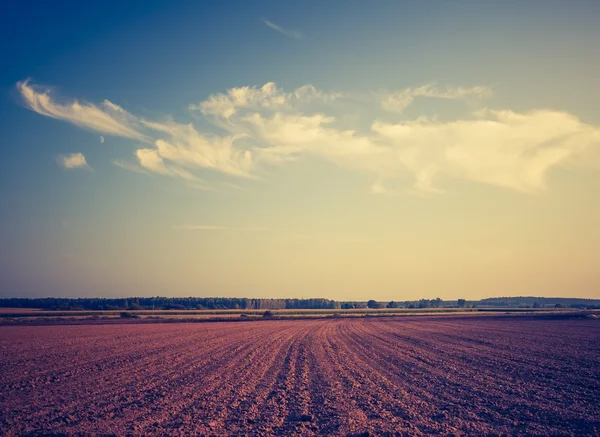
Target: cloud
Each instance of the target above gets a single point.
(399, 101)
(72, 160)
(151, 159)
(107, 118)
(266, 98)
(506, 148)
(178, 147)
(502, 148)
(186, 147)
(287, 32)
(255, 128)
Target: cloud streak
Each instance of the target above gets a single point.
(287, 32)
(185, 147)
(399, 101)
(259, 127)
(106, 118)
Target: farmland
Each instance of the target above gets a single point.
(37, 316)
(452, 374)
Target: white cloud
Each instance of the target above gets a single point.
(186, 147)
(507, 149)
(266, 98)
(107, 118)
(501, 148)
(151, 159)
(287, 32)
(72, 160)
(399, 101)
(179, 147)
(265, 126)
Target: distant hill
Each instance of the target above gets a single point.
(530, 301)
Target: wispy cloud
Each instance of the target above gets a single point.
(177, 147)
(268, 97)
(188, 148)
(267, 126)
(150, 160)
(72, 161)
(106, 118)
(287, 32)
(399, 101)
(503, 148)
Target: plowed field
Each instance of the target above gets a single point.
(403, 376)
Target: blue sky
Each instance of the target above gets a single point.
(342, 149)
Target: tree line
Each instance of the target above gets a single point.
(167, 303)
(232, 303)
(200, 303)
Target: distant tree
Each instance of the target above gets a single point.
(392, 304)
(372, 304)
(268, 314)
(175, 306)
(436, 303)
(462, 303)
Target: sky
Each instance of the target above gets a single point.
(348, 150)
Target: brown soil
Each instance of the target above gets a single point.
(368, 376)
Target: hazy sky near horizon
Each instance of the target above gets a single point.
(347, 150)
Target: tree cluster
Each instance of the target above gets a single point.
(168, 303)
(428, 303)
